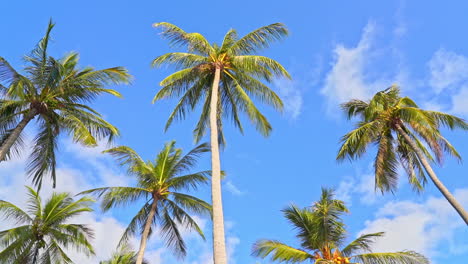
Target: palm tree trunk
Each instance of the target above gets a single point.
(219, 244)
(144, 235)
(10, 140)
(450, 198)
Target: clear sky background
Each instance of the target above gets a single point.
(337, 50)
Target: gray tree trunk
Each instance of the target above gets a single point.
(11, 139)
(219, 244)
(450, 198)
(144, 235)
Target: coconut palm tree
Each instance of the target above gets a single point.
(124, 255)
(158, 187)
(322, 234)
(44, 232)
(224, 79)
(57, 93)
(405, 135)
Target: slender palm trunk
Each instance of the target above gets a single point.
(36, 254)
(450, 198)
(10, 140)
(144, 235)
(219, 244)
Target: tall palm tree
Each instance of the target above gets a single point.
(322, 236)
(44, 233)
(159, 183)
(223, 78)
(57, 94)
(123, 255)
(401, 131)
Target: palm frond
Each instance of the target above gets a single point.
(259, 39)
(362, 243)
(279, 252)
(403, 257)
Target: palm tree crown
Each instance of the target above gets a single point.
(44, 233)
(158, 186)
(379, 122)
(222, 78)
(241, 76)
(57, 93)
(123, 255)
(322, 234)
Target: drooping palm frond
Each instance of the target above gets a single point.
(363, 243)
(378, 121)
(280, 252)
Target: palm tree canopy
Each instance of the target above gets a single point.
(162, 180)
(57, 93)
(242, 76)
(123, 255)
(322, 234)
(378, 119)
(43, 233)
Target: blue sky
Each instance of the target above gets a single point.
(337, 50)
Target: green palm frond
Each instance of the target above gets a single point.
(279, 252)
(404, 257)
(123, 255)
(259, 38)
(385, 164)
(363, 243)
(118, 196)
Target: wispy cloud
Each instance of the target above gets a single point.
(448, 77)
(361, 185)
(347, 78)
(447, 69)
(291, 96)
(233, 189)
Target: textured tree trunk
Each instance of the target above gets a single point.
(219, 244)
(450, 198)
(144, 235)
(10, 140)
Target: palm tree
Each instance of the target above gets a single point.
(57, 93)
(402, 132)
(222, 78)
(159, 183)
(124, 255)
(322, 236)
(44, 233)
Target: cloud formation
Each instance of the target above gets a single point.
(347, 78)
(431, 227)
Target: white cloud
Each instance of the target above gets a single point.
(107, 229)
(459, 101)
(233, 189)
(291, 96)
(428, 227)
(447, 69)
(361, 185)
(347, 77)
